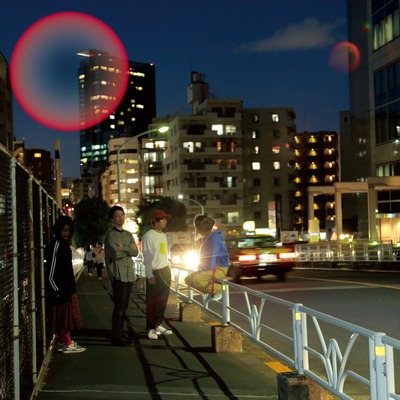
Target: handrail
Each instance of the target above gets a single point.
(320, 346)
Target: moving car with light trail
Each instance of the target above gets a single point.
(259, 256)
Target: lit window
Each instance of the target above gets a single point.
(313, 166)
(255, 166)
(255, 118)
(37, 155)
(254, 134)
(256, 198)
(313, 179)
(276, 149)
(230, 129)
(312, 139)
(219, 128)
(276, 165)
(275, 117)
(312, 152)
(256, 150)
(297, 193)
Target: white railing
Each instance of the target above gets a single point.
(342, 357)
(358, 251)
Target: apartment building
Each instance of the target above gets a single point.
(203, 162)
(267, 138)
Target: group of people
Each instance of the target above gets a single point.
(119, 248)
(94, 257)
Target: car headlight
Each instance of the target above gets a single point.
(191, 260)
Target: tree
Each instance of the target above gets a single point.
(91, 221)
(175, 208)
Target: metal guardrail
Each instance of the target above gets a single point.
(358, 251)
(320, 346)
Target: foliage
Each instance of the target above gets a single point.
(175, 208)
(91, 221)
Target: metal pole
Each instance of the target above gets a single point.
(194, 201)
(16, 343)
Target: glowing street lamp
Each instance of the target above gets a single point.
(182, 197)
(162, 129)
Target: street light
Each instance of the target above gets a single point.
(182, 197)
(162, 129)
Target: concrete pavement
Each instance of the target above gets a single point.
(179, 366)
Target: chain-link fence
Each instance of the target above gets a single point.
(27, 213)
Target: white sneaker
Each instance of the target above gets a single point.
(215, 297)
(152, 334)
(160, 330)
(73, 348)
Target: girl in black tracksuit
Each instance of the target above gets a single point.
(60, 286)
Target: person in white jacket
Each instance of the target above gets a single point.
(158, 274)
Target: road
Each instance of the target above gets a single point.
(367, 299)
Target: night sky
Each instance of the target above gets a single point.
(269, 53)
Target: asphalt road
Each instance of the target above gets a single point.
(369, 299)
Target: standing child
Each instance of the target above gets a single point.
(99, 259)
(60, 285)
(89, 259)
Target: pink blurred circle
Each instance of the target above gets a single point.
(345, 57)
(44, 69)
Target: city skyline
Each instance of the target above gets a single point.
(268, 54)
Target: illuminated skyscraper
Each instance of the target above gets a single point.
(131, 117)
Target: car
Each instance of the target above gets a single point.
(259, 255)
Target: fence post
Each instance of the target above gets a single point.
(33, 281)
(42, 219)
(300, 339)
(226, 314)
(16, 355)
(378, 367)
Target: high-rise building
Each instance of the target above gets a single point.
(132, 115)
(6, 116)
(316, 163)
(371, 147)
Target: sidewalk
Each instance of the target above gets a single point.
(179, 366)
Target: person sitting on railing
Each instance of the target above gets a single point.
(213, 261)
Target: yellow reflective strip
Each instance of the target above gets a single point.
(278, 367)
(380, 351)
(297, 316)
